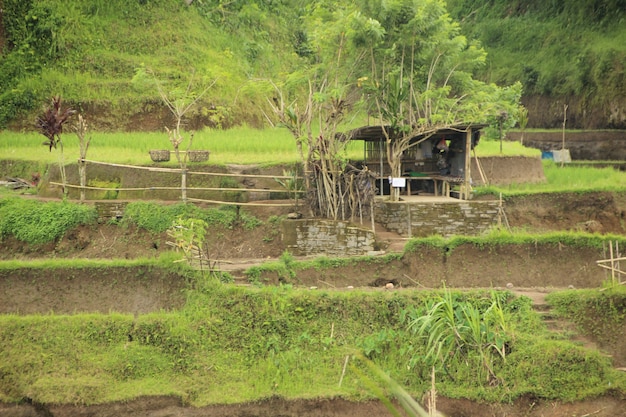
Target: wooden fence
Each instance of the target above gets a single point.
(613, 264)
(183, 189)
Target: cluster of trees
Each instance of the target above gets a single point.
(404, 63)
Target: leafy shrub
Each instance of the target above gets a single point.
(158, 218)
(553, 369)
(475, 330)
(35, 222)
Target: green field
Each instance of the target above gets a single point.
(240, 145)
(267, 147)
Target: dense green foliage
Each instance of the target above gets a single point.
(90, 51)
(36, 222)
(97, 55)
(233, 344)
(557, 48)
(157, 218)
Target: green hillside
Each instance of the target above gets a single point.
(90, 52)
(564, 52)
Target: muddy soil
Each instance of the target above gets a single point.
(592, 145)
(276, 407)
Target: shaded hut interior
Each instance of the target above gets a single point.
(434, 164)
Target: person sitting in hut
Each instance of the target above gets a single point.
(442, 154)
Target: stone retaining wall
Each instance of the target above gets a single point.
(446, 219)
(327, 237)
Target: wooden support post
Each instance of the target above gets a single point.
(466, 172)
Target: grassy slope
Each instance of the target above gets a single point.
(239, 344)
(576, 47)
(262, 342)
(89, 51)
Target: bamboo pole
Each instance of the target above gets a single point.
(178, 170)
(612, 262)
(614, 259)
(483, 177)
(250, 190)
(611, 269)
(235, 203)
(467, 176)
(617, 260)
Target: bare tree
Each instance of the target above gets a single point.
(179, 105)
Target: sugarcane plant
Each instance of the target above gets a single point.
(473, 333)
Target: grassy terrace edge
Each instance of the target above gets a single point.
(290, 342)
(232, 344)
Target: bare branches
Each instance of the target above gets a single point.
(179, 106)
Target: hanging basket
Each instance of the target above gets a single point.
(160, 155)
(198, 156)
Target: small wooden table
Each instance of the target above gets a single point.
(445, 186)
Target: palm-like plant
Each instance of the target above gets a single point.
(50, 124)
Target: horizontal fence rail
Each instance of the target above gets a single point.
(184, 172)
(178, 170)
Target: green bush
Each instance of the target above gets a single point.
(288, 342)
(556, 370)
(37, 222)
(157, 218)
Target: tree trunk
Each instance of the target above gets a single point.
(62, 170)
(183, 185)
(82, 173)
(395, 167)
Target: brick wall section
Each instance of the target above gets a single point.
(108, 210)
(326, 237)
(445, 219)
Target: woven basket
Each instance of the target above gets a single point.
(160, 156)
(198, 156)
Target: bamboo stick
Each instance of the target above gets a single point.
(612, 269)
(612, 261)
(235, 203)
(178, 170)
(609, 260)
(250, 190)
